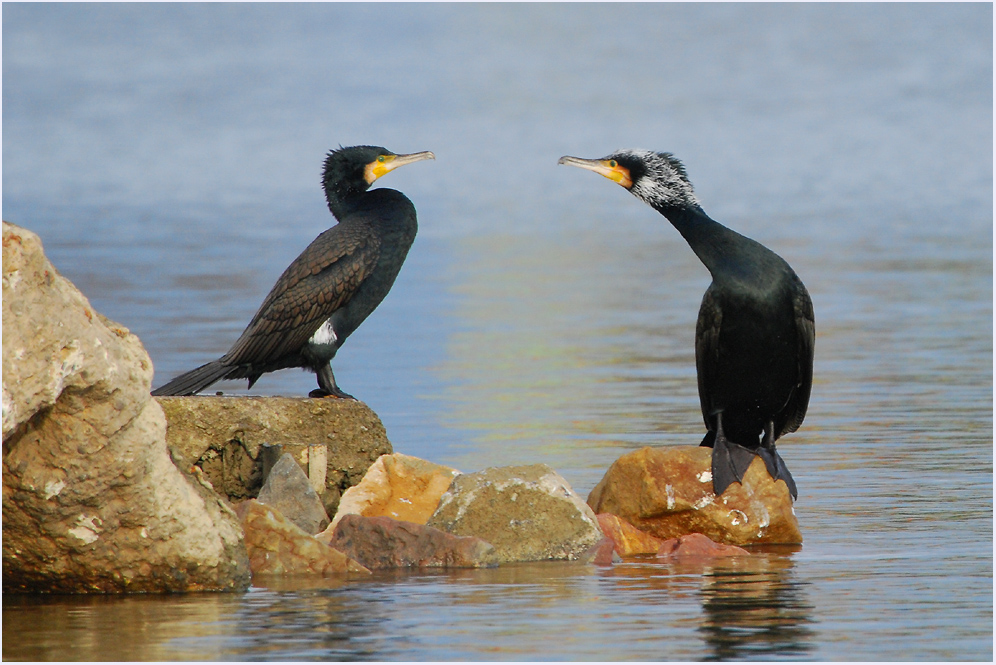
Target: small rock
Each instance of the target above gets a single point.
(697, 546)
(382, 542)
(277, 546)
(626, 538)
(289, 490)
(602, 553)
(397, 486)
(529, 513)
(667, 492)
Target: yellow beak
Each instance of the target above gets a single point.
(387, 163)
(618, 173)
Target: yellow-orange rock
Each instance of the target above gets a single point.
(667, 492)
(398, 486)
(626, 538)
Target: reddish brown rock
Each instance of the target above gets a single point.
(397, 486)
(277, 546)
(697, 546)
(382, 542)
(626, 538)
(667, 492)
(602, 553)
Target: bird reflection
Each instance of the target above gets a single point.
(756, 611)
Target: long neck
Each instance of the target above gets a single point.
(720, 249)
(343, 198)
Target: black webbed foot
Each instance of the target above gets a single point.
(327, 386)
(730, 460)
(336, 394)
(774, 462)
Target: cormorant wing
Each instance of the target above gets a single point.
(707, 350)
(319, 281)
(795, 409)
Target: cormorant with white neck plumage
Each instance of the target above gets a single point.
(755, 334)
(336, 282)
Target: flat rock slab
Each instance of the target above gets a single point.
(289, 490)
(223, 436)
(92, 501)
(529, 513)
(382, 542)
(697, 546)
(277, 546)
(398, 486)
(667, 492)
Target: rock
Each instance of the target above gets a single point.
(602, 553)
(697, 546)
(382, 542)
(223, 436)
(278, 547)
(397, 486)
(627, 540)
(529, 513)
(289, 491)
(667, 492)
(92, 501)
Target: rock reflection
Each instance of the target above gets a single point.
(755, 608)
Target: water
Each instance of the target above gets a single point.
(169, 157)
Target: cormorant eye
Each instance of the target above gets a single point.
(381, 159)
(613, 163)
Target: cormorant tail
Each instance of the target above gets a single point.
(195, 380)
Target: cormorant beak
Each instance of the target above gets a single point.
(386, 163)
(608, 167)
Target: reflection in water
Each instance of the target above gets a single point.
(755, 608)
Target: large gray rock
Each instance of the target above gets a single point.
(223, 436)
(529, 513)
(92, 501)
(288, 490)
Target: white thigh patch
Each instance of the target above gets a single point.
(324, 335)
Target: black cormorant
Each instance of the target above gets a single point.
(755, 334)
(327, 292)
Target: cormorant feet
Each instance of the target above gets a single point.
(730, 462)
(334, 394)
(777, 469)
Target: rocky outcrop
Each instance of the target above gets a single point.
(287, 489)
(279, 547)
(398, 486)
(667, 492)
(697, 546)
(92, 501)
(627, 540)
(382, 542)
(529, 513)
(223, 436)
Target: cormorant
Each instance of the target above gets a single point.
(755, 334)
(336, 282)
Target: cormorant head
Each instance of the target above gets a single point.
(657, 178)
(351, 171)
